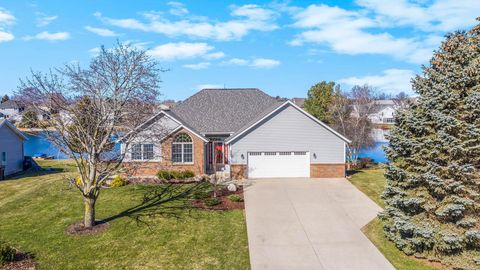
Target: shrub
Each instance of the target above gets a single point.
(235, 198)
(7, 253)
(172, 174)
(118, 181)
(211, 201)
(164, 175)
(200, 195)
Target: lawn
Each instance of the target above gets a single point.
(36, 209)
(372, 182)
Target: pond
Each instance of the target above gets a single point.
(37, 143)
(376, 152)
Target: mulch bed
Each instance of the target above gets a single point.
(226, 204)
(23, 261)
(156, 181)
(78, 228)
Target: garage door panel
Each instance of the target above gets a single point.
(278, 164)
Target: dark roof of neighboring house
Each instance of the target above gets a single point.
(9, 104)
(223, 110)
(298, 101)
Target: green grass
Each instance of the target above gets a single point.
(36, 209)
(372, 182)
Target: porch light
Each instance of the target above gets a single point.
(314, 156)
(243, 157)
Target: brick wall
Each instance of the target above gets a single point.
(238, 171)
(327, 170)
(136, 168)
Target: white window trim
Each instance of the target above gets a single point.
(182, 152)
(155, 157)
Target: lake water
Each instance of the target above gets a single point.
(39, 144)
(376, 152)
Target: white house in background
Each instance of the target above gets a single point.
(384, 112)
(11, 148)
(10, 109)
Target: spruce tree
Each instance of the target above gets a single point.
(433, 190)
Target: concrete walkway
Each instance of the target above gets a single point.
(310, 224)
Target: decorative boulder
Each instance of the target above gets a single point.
(232, 187)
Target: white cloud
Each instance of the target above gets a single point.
(94, 51)
(236, 62)
(264, 63)
(6, 18)
(390, 81)
(208, 86)
(44, 20)
(440, 15)
(5, 36)
(49, 36)
(198, 66)
(215, 55)
(347, 32)
(180, 50)
(101, 31)
(177, 8)
(245, 19)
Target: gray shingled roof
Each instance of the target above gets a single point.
(9, 104)
(223, 110)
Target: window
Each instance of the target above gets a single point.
(147, 151)
(182, 149)
(142, 152)
(3, 161)
(389, 120)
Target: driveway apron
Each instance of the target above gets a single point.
(310, 224)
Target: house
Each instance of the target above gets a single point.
(243, 132)
(11, 109)
(300, 102)
(384, 112)
(11, 148)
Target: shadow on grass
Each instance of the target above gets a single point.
(169, 200)
(352, 172)
(33, 173)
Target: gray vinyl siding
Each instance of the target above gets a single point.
(290, 130)
(12, 144)
(152, 135)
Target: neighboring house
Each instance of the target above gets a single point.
(300, 102)
(244, 132)
(384, 112)
(10, 109)
(11, 147)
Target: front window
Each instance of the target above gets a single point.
(182, 149)
(142, 152)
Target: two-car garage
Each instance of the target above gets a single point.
(278, 164)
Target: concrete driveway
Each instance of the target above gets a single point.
(310, 224)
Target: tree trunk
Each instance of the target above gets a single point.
(89, 218)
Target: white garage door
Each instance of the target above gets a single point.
(278, 164)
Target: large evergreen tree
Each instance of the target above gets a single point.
(433, 191)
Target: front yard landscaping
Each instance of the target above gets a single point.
(163, 233)
(372, 182)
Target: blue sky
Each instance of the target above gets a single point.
(280, 47)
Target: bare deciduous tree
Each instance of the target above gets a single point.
(90, 107)
(350, 117)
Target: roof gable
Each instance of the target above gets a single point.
(222, 110)
(6, 123)
(287, 103)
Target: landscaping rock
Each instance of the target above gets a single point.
(232, 187)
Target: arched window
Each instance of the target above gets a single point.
(182, 149)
